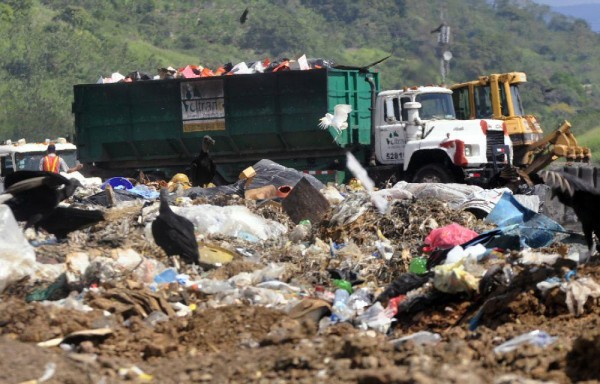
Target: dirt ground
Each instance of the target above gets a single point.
(243, 343)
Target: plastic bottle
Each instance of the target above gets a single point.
(340, 310)
(538, 338)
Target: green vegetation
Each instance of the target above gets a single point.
(47, 46)
(591, 139)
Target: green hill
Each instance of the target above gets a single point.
(48, 46)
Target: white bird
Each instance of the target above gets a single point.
(339, 119)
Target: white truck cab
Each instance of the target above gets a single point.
(20, 155)
(417, 128)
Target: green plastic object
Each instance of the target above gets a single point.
(418, 265)
(59, 289)
(160, 123)
(343, 284)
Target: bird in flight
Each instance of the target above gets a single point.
(337, 121)
(244, 16)
(582, 197)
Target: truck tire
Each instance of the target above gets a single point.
(433, 173)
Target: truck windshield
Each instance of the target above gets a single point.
(516, 97)
(436, 106)
(31, 161)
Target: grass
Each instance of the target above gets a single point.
(591, 139)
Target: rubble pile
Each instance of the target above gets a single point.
(329, 289)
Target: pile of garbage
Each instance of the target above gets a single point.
(196, 71)
(326, 256)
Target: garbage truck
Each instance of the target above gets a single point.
(21, 155)
(410, 134)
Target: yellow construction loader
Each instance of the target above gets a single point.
(497, 97)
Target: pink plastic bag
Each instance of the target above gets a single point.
(448, 237)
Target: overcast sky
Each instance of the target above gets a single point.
(556, 3)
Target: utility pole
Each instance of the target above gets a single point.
(442, 49)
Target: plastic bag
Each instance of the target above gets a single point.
(449, 236)
(578, 292)
(231, 220)
(534, 229)
(17, 257)
(269, 172)
(376, 317)
(453, 278)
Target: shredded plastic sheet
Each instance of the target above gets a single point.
(236, 188)
(269, 172)
(535, 230)
(451, 193)
(465, 197)
(101, 198)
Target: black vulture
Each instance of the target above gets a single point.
(35, 194)
(582, 197)
(244, 16)
(174, 233)
(203, 169)
(63, 220)
(364, 69)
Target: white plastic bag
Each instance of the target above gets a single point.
(17, 257)
(231, 220)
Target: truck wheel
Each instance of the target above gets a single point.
(433, 173)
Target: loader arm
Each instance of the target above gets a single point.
(560, 143)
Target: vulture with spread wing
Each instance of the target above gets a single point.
(583, 197)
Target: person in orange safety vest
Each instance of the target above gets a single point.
(53, 163)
